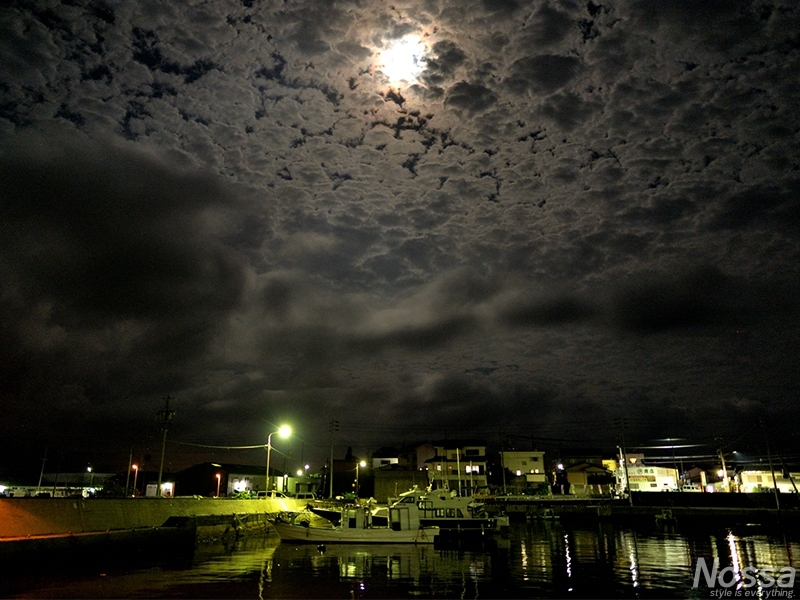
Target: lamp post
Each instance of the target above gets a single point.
(135, 477)
(360, 464)
(91, 477)
(285, 431)
(219, 479)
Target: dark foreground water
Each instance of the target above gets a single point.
(535, 560)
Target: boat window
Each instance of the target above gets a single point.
(408, 500)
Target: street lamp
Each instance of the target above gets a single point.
(285, 431)
(219, 479)
(91, 477)
(360, 464)
(135, 477)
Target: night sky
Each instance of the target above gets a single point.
(564, 213)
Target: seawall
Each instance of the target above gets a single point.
(27, 517)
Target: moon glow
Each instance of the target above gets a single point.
(403, 60)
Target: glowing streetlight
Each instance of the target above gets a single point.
(135, 477)
(285, 431)
(219, 479)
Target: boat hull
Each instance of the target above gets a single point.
(336, 535)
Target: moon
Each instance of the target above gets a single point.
(404, 59)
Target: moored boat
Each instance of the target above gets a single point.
(356, 526)
(450, 512)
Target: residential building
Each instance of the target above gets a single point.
(528, 466)
(386, 456)
(589, 479)
(458, 465)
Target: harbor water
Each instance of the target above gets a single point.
(538, 559)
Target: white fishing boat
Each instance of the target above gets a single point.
(449, 511)
(356, 527)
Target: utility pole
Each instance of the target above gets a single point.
(41, 474)
(503, 462)
(128, 478)
(725, 485)
(165, 418)
(771, 468)
(334, 426)
(621, 424)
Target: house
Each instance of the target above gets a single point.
(386, 456)
(581, 472)
(589, 479)
(458, 465)
(528, 466)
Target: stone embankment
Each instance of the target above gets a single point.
(61, 531)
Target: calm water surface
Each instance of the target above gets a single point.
(535, 560)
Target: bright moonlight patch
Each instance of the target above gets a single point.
(403, 60)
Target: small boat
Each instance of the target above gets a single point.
(356, 527)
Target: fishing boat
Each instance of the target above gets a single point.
(356, 526)
(449, 511)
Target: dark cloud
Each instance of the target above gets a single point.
(470, 97)
(545, 73)
(548, 312)
(761, 207)
(112, 265)
(440, 65)
(697, 299)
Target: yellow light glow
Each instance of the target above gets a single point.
(285, 431)
(404, 59)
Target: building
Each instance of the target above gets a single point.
(589, 479)
(760, 481)
(386, 456)
(528, 467)
(224, 479)
(458, 465)
(645, 478)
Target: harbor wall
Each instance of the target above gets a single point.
(25, 517)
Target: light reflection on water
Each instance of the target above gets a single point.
(539, 559)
